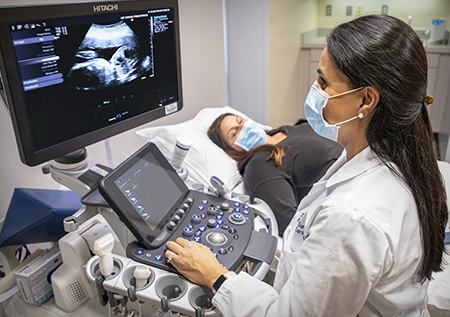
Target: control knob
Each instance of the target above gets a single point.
(225, 206)
(196, 219)
(211, 223)
(237, 219)
(188, 232)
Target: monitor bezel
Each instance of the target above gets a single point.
(13, 86)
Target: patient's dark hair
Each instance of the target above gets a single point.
(276, 152)
(385, 53)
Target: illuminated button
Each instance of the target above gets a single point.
(219, 222)
(222, 251)
(196, 219)
(197, 239)
(225, 227)
(203, 216)
(139, 251)
(202, 228)
(158, 257)
(246, 206)
(204, 201)
(237, 204)
(188, 232)
(200, 207)
(245, 211)
(219, 217)
(237, 209)
(230, 248)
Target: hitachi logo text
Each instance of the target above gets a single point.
(106, 7)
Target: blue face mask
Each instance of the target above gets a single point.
(316, 100)
(251, 135)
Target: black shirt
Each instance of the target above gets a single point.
(308, 157)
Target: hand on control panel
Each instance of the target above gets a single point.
(195, 261)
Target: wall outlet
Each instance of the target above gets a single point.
(348, 10)
(384, 9)
(358, 11)
(328, 10)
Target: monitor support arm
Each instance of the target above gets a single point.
(81, 176)
(74, 171)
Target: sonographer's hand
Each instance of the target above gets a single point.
(195, 261)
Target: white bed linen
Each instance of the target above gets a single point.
(204, 159)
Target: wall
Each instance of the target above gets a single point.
(204, 85)
(263, 46)
(288, 19)
(422, 12)
(247, 56)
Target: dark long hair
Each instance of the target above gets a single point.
(385, 53)
(276, 153)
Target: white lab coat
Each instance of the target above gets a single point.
(352, 248)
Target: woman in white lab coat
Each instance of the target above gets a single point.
(367, 238)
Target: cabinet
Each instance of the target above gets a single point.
(439, 87)
(313, 43)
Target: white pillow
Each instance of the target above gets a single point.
(204, 159)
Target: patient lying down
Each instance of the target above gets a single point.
(279, 166)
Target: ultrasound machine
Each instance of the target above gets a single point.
(76, 74)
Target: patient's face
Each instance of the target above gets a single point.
(229, 129)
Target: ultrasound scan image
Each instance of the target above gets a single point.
(108, 56)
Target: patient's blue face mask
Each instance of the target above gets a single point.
(251, 135)
(316, 100)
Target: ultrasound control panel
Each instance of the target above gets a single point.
(224, 226)
(155, 204)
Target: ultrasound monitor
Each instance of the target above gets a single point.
(75, 74)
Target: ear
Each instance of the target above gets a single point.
(370, 101)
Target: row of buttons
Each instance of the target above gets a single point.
(225, 207)
(180, 213)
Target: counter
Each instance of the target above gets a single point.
(316, 39)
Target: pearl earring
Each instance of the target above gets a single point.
(360, 115)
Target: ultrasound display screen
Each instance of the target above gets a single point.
(80, 70)
(145, 191)
(149, 189)
(78, 79)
